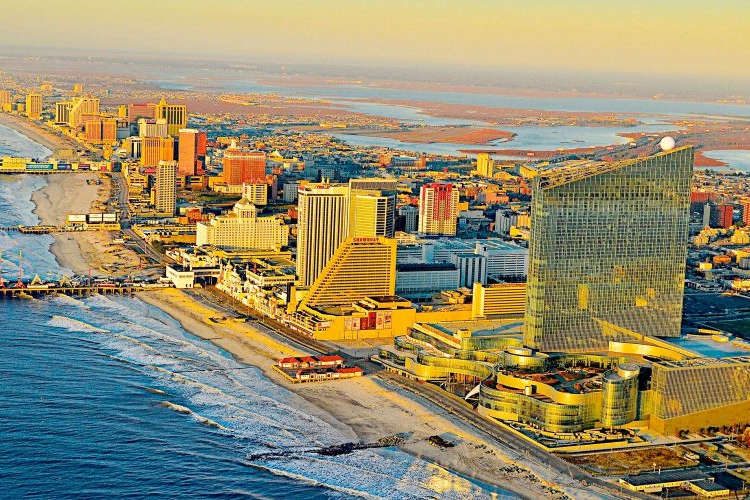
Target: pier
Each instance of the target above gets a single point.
(30, 292)
(46, 229)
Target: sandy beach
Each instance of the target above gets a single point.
(70, 193)
(36, 133)
(366, 408)
(363, 409)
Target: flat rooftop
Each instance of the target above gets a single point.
(481, 327)
(672, 476)
(701, 362)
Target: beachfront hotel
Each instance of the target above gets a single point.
(242, 228)
(322, 225)
(607, 251)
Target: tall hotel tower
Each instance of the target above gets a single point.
(438, 209)
(322, 225)
(607, 251)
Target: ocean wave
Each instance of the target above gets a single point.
(314, 482)
(74, 325)
(198, 418)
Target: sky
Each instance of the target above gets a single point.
(685, 37)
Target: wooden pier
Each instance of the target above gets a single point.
(74, 291)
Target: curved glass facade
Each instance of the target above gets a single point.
(608, 245)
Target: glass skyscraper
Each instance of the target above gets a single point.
(607, 251)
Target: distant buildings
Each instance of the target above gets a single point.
(438, 209)
(243, 167)
(174, 114)
(80, 107)
(156, 149)
(34, 106)
(607, 251)
(4, 98)
(165, 187)
(718, 216)
(192, 152)
(322, 225)
(485, 165)
(243, 229)
(149, 127)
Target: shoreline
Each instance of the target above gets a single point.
(37, 134)
(362, 409)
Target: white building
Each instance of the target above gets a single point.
(472, 268)
(243, 229)
(424, 280)
(322, 225)
(503, 259)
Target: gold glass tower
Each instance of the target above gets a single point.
(607, 251)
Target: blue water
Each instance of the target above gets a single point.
(109, 396)
(735, 159)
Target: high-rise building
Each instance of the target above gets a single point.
(149, 127)
(438, 209)
(746, 212)
(82, 106)
(410, 213)
(322, 224)
(716, 215)
(156, 149)
(165, 197)
(243, 229)
(485, 165)
(4, 98)
(191, 156)
(174, 114)
(34, 106)
(372, 212)
(243, 167)
(257, 194)
(100, 130)
(62, 112)
(607, 251)
(361, 267)
(137, 111)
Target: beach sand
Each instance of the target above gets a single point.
(80, 252)
(37, 133)
(365, 408)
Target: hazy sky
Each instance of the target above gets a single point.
(643, 36)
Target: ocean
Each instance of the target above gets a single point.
(111, 397)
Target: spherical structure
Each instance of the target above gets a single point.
(667, 143)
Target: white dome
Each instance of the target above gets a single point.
(666, 143)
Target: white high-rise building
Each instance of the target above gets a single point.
(323, 224)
